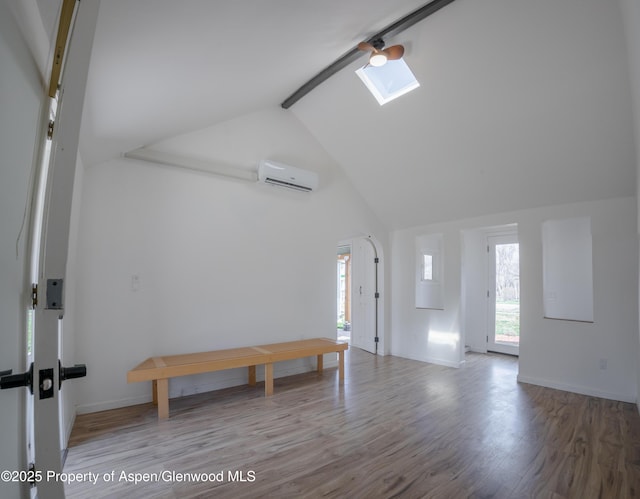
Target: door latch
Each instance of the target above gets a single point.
(46, 383)
(64, 373)
(8, 380)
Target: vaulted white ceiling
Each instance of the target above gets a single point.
(521, 103)
(161, 67)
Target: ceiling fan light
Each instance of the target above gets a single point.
(378, 59)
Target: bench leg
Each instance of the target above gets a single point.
(268, 379)
(252, 375)
(341, 365)
(154, 392)
(162, 389)
(320, 359)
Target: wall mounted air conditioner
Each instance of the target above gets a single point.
(270, 172)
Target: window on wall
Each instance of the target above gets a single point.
(429, 272)
(427, 267)
(567, 269)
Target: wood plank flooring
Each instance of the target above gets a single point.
(396, 428)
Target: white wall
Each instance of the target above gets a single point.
(424, 334)
(560, 354)
(20, 105)
(220, 263)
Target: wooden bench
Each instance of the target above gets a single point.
(160, 369)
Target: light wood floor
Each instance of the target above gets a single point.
(396, 428)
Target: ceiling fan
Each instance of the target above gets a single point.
(379, 55)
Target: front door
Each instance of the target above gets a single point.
(363, 290)
(504, 294)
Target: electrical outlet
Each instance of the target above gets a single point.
(135, 282)
(603, 364)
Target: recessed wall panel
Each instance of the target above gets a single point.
(567, 269)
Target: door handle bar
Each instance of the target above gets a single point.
(17, 380)
(77, 371)
(9, 380)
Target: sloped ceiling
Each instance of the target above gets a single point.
(161, 68)
(521, 104)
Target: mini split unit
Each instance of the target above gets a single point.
(270, 172)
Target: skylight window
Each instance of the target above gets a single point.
(388, 82)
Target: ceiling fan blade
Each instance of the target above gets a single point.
(366, 47)
(394, 52)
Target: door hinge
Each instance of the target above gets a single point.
(488, 293)
(488, 248)
(33, 481)
(377, 295)
(50, 129)
(487, 339)
(34, 295)
(376, 260)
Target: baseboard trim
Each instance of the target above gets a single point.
(430, 360)
(112, 404)
(582, 390)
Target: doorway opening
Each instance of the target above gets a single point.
(504, 294)
(344, 294)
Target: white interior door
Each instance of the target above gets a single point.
(49, 315)
(363, 290)
(503, 295)
(51, 247)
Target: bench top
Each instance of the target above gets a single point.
(169, 366)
